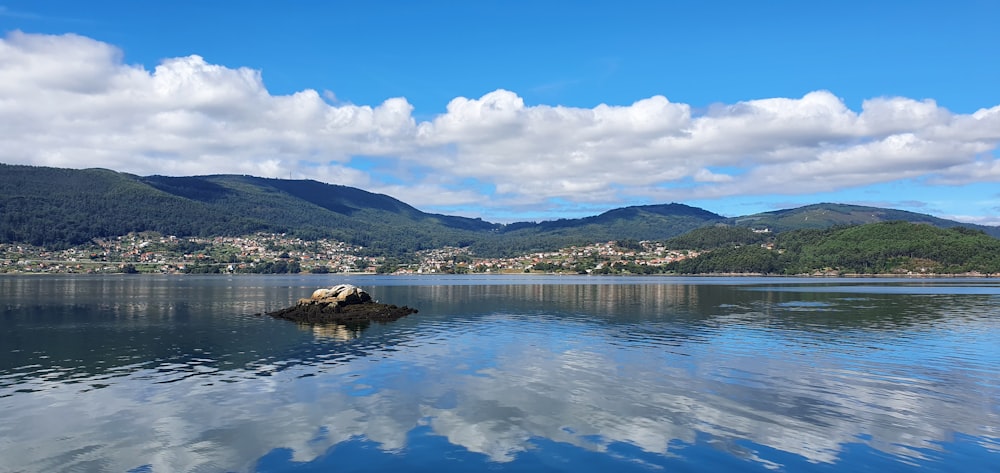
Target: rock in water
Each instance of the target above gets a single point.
(343, 293)
(343, 303)
(319, 294)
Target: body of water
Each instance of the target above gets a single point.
(525, 373)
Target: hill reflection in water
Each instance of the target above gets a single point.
(578, 374)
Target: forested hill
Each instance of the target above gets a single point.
(826, 215)
(643, 222)
(61, 207)
(875, 248)
(58, 208)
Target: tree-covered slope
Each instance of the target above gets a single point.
(717, 236)
(61, 207)
(827, 215)
(644, 222)
(876, 248)
(312, 209)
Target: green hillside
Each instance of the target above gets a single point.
(58, 208)
(61, 207)
(645, 222)
(311, 210)
(717, 236)
(876, 248)
(826, 215)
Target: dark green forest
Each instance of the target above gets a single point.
(60, 208)
(826, 215)
(717, 236)
(876, 248)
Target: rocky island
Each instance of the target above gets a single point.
(344, 304)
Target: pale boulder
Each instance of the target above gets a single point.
(342, 294)
(320, 294)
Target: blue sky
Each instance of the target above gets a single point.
(524, 110)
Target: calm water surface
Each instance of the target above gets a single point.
(170, 374)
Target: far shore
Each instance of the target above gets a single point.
(972, 275)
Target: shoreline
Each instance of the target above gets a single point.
(972, 275)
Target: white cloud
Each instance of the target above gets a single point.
(432, 194)
(983, 170)
(888, 115)
(71, 101)
(992, 220)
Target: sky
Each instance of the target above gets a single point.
(523, 110)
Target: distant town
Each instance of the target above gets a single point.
(282, 254)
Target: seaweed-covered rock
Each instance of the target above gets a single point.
(344, 304)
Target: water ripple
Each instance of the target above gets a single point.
(624, 376)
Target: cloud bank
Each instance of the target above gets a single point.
(71, 101)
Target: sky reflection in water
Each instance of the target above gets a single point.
(584, 374)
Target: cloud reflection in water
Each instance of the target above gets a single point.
(659, 368)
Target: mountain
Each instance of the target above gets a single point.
(827, 215)
(61, 207)
(642, 222)
(311, 210)
(58, 208)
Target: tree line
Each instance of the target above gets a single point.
(876, 248)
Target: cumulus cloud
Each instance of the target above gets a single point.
(71, 101)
